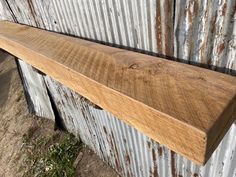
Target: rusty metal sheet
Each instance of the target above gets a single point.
(36, 93)
(130, 152)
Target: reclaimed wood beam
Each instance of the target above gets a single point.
(186, 108)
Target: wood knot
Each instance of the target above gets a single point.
(133, 66)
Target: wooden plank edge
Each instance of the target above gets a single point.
(27, 54)
(200, 137)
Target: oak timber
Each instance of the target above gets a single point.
(186, 108)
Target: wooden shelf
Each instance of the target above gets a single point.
(186, 108)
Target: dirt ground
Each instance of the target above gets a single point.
(16, 124)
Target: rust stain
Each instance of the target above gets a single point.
(224, 9)
(115, 151)
(112, 147)
(195, 175)
(221, 48)
(32, 10)
(213, 24)
(194, 15)
(127, 158)
(158, 27)
(154, 158)
(190, 13)
(196, 7)
(117, 164)
(154, 155)
(202, 51)
(115, 145)
(169, 28)
(173, 167)
(160, 151)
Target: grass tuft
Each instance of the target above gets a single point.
(52, 156)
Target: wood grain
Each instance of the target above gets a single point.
(186, 108)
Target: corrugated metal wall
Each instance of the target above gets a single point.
(34, 85)
(185, 30)
(130, 152)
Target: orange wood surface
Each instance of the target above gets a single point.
(186, 108)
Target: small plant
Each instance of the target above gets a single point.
(47, 158)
